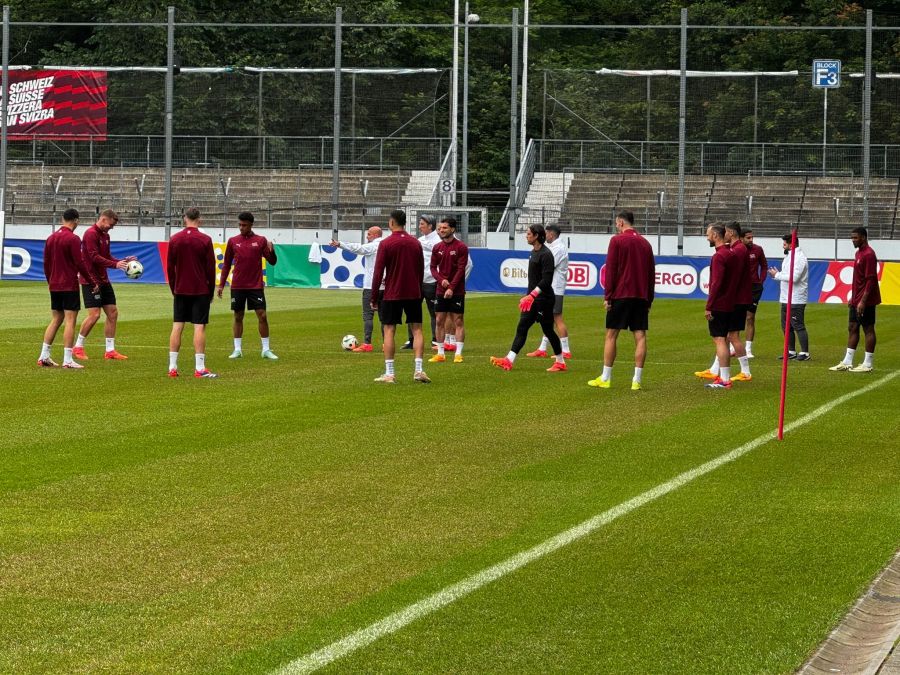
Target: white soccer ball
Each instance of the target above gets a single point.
(134, 270)
(349, 342)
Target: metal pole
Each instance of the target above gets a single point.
(836, 201)
(454, 101)
(4, 106)
(544, 121)
(170, 97)
(523, 132)
(755, 109)
(465, 112)
(352, 117)
(824, 128)
(336, 146)
(867, 117)
(259, 119)
(513, 126)
(682, 105)
(647, 132)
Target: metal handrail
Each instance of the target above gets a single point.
(522, 185)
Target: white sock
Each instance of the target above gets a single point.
(607, 374)
(418, 365)
(749, 346)
(560, 358)
(745, 365)
(848, 357)
(45, 351)
(544, 344)
(638, 372)
(731, 349)
(79, 341)
(200, 361)
(565, 344)
(452, 338)
(67, 355)
(238, 344)
(447, 338)
(459, 348)
(265, 344)
(110, 344)
(440, 348)
(389, 366)
(867, 361)
(726, 373)
(714, 368)
(173, 360)
(511, 357)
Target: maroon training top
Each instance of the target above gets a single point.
(399, 260)
(95, 248)
(865, 276)
(191, 263)
(721, 298)
(630, 268)
(448, 261)
(246, 253)
(758, 264)
(743, 282)
(63, 261)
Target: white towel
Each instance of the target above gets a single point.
(315, 253)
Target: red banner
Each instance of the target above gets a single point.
(57, 105)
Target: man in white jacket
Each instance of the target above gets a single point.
(799, 297)
(560, 276)
(368, 250)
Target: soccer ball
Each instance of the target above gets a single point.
(349, 342)
(134, 270)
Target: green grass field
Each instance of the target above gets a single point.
(238, 524)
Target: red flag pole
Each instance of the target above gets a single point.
(787, 332)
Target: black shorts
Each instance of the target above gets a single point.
(65, 301)
(455, 304)
(249, 298)
(718, 324)
(429, 292)
(191, 309)
(391, 311)
(738, 320)
(757, 296)
(630, 313)
(558, 304)
(105, 296)
(868, 317)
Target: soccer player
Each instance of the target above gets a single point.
(191, 270)
(448, 267)
(720, 303)
(560, 275)
(368, 250)
(758, 270)
(429, 239)
(63, 261)
(399, 261)
(865, 296)
(630, 280)
(537, 305)
(246, 252)
(95, 248)
(798, 298)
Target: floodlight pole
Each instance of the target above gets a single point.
(682, 105)
(470, 18)
(454, 101)
(170, 96)
(524, 119)
(513, 126)
(336, 147)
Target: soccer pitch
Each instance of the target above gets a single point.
(241, 524)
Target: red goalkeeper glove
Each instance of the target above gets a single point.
(526, 303)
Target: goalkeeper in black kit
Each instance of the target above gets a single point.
(537, 305)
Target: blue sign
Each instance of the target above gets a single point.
(826, 73)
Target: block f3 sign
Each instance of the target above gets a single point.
(826, 73)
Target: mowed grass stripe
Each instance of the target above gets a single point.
(400, 619)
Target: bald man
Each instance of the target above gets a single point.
(368, 250)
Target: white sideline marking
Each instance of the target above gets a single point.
(405, 616)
